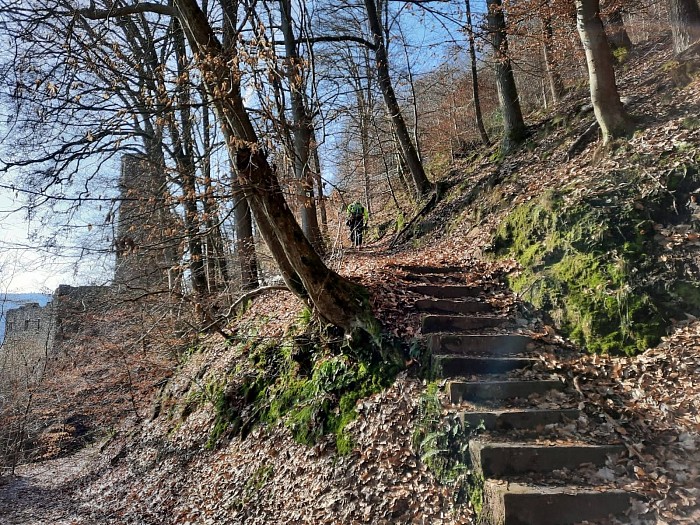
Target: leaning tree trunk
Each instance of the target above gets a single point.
(336, 299)
(410, 153)
(605, 97)
(513, 124)
(684, 16)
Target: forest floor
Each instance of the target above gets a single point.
(159, 473)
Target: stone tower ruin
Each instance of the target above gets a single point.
(29, 339)
(148, 231)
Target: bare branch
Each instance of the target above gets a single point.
(92, 13)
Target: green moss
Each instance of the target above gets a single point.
(584, 263)
(620, 54)
(691, 123)
(443, 445)
(306, 381)
(688, 292)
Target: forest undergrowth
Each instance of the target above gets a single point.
(210, 452)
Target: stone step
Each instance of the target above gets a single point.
(448, 306)
(447, 291)
(520, 419)
(455, 323)
(522, 504)
(459, 391)
(496, 345)
(427, 269)
(429, 278)
(457, 365)
(508, 459)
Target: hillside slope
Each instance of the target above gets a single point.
(187, 464)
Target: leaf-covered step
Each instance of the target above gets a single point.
(507, 459)
(458, 365)
(517, 419)
(496, 345)
(432, 278)
(508, 503)
(459, 391)
(450, 306)
(447, 291)
(427, 269)
(455, 323)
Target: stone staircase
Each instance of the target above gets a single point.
(487, 385)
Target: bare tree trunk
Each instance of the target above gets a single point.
(302, 130)
(245, 242)
(338, 300)
(414, 99)
(184, 155)
(363, 108)
(607, 106)
(556, 86)
(617, 33)
(513, 123)
(684, 16)
(217, 261)
(410, 154)
(475, 80)
(319, 187)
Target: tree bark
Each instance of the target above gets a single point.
(338, 300)
(183, 147)
(321, 207)
(410, 154)
(684, 16)
(245, 242)
(475, 80)
(513, 124)
(556, 85)
(617, 33)
(302, 130)
(607, 106)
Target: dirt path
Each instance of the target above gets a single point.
(42, 493)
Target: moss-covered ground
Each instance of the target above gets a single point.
(310, 381)
(592, 260)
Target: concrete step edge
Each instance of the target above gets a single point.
(517, 419)
(494, 459)
(485, 390)
(507, 503)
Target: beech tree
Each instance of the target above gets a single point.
(556, 85)
(684, 17)
(302, 128)
(475, 79)
(408, 149)
(338, 300)
(609, 112)
(513, 123)
(615, 25)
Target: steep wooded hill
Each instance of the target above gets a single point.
(600, 246)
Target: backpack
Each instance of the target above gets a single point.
(356, 211)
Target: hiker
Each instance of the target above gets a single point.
(356, 223)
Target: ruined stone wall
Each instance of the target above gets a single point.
(148, 232)
(148, 253)
(33, 333)
(29, 339)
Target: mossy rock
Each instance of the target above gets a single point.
(591, 264)
(308, 381)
